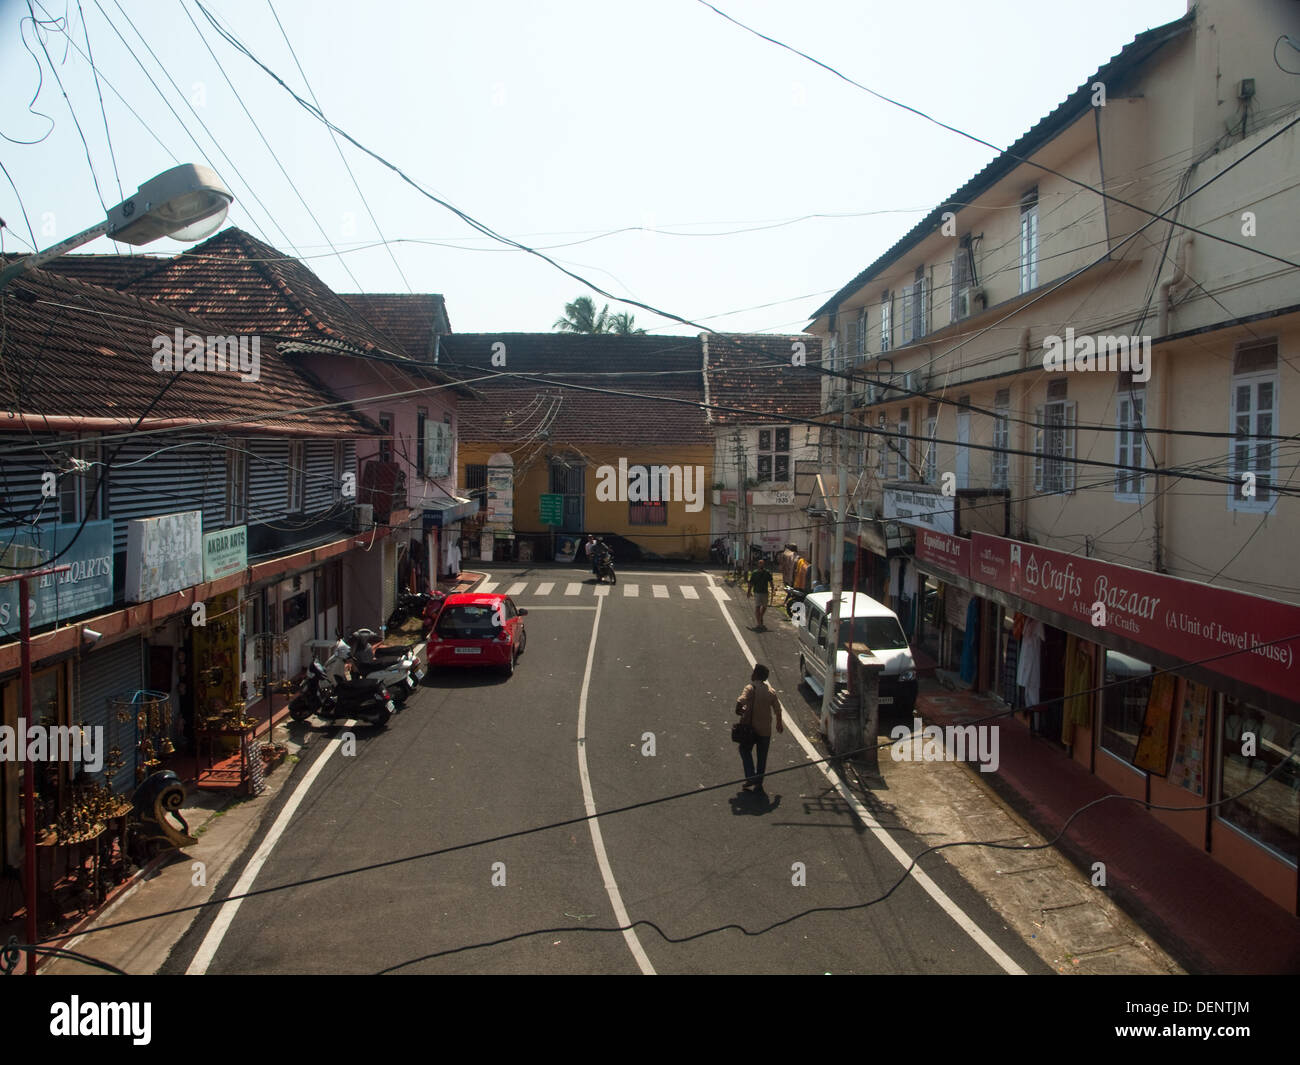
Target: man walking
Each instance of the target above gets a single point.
(762, 705)
(760, 589)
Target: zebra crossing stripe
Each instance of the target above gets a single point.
(631, 591)
(487, 586)
(660, 590)
(516, 588)
(601, 589)
(573, 588)
(688, 591)
(545, 589)
(720, 595)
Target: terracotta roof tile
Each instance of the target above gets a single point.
(756, 372)
(413, 320)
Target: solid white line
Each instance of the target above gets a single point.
(688, 591)
(602, 859)
(212, 941)
(631, 591)
(545, 588)
(660, 590)
(516, 588)
(965, 923)
(573, 588)
(720, 595)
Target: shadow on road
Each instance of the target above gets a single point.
(753, 803)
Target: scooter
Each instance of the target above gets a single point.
(395, 666)
(365, 700)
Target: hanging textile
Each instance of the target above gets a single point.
(1078, 679)
(970, 645)
(1029, 673)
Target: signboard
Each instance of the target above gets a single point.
(921, 507)
(163, 555)
(1185, 619)
(777, 497)
(948, 554)
(86, 587)
(437, 449)
(225, 552)
(551, 507)
(501, 495)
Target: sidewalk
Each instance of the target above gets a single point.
(1210, 920)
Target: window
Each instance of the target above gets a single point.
(79, 484)
(886, 326)
(421, 416)
(962, 275)
(1029, 241)
(1124, 704)
(1129, 410)
(1001, 438)
(1254, 415)
(882, 442)
(476, 483)
(904, 418)
(647, 513)
(774, 455)
(1269, 811)
(236, 483)
(861, 350)
(386, 444)
(1054, 442)
(931, 465)
(297, 474)
(849, 343)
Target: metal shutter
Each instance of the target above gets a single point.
(115, 671)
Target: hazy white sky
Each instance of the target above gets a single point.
(553, 123)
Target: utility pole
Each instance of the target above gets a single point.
(837, 559)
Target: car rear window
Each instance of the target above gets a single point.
(468, 621)
(883, 634)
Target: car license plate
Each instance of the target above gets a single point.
(468, 650)
(419, 674)
(389, 706)
(885, 700)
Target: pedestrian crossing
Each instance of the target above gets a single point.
(578, 589)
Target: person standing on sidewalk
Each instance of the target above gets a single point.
(760, 588)
(760, 704)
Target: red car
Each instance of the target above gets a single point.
(478, 630)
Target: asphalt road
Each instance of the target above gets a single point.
(476, 756)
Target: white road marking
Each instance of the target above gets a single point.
(720, 595)
(660, 590)
(1007, 964)
(212, 941)
(516, 588)
(487, 586)
(545, 588)
(597, 841)
(688, 591)
(602, 589)
(573, 588)
(631, 591)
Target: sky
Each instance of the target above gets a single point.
(655, 149)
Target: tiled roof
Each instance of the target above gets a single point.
(110, 271)
(538, 406)
(235, 279)
(1113, 73)
(756, 372)
(413, 320)
(78, 351)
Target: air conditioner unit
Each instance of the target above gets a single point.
(365, 517)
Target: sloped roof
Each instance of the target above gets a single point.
(413, 320)
(755, 372)
(1122, 65)
(107, 271)
(579, 389)
(236, 279)
(81, 352)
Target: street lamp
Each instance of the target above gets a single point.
(186, 203)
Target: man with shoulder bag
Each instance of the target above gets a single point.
(758, 706)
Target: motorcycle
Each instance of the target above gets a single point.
(413, 605)
(395, 666)
(605, 568)
(330, 700)
(792, 596)
(718, 551)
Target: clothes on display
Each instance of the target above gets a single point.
(1029, 673)
(971, 642)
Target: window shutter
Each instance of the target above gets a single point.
(1069, 432)
(862, 332)
(1039, 418)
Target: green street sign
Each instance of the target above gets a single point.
(551, 506)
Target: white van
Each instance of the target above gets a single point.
(862, 621)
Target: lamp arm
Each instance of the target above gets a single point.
(53, 252)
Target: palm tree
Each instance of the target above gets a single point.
(625, 325)
(580, 317)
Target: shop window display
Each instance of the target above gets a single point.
(1124, 706)
(1255, 743)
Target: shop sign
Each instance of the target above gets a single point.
(87, 584)
(437, 449)
(163, 555)
(225, 552)
(501, 495)
(779, 497)
(920, 507)
(948, 554)
(1185, 619)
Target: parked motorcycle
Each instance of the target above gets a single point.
(395, 666)
(413, 605)
(718, 551)
(793, 595)
(366, 699)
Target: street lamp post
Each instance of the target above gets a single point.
(186, 203)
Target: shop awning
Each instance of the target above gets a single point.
(439, 513)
